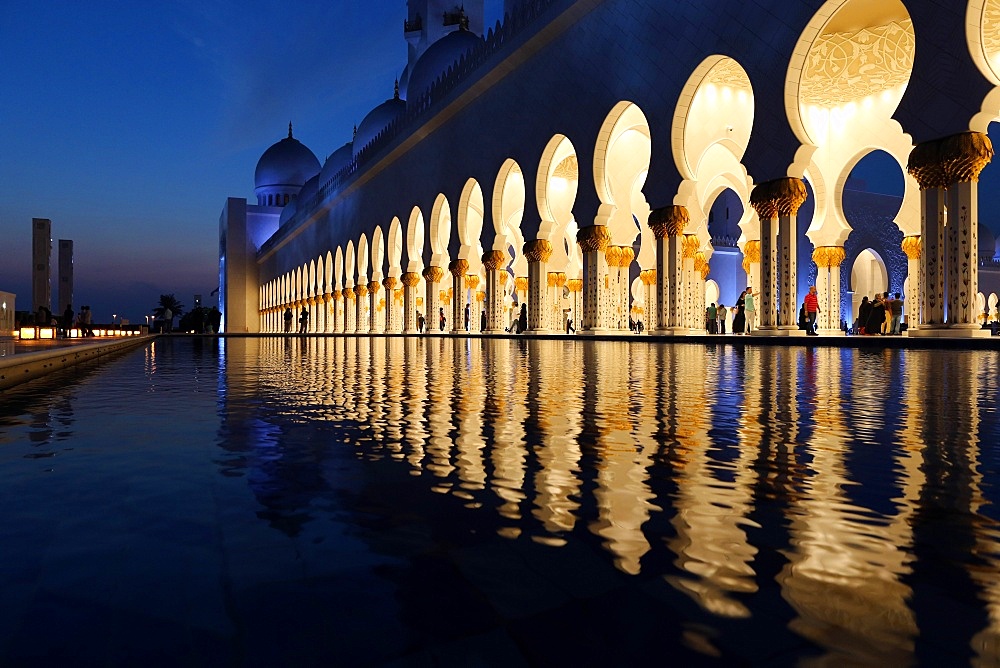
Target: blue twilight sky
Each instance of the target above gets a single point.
(129, 123)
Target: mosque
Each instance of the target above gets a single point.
(601, 161)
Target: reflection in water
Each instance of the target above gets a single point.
(833, 492)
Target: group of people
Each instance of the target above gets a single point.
(69, 320)
(744, 315)
(880, 316)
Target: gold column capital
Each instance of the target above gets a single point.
(780, 197)
(389, 282)
(690, 246)
(472, 281)
(374, 287)
(668, 221)
(538, 250)
(560, 279)
(337, 294)
(911, 246)
(349, 293)
(575, 284)
(521, 283)
(494, 260)
(551, 279)
(957, 158)
(613, 255)
(594, 238)
(410, 279)
(433, 274)
(458, 268)
(361, 290)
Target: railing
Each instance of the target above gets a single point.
(426, 104)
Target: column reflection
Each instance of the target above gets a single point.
(622, 494)
(715, 483)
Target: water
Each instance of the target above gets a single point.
(340, 501)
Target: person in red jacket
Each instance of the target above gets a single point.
(812, 308)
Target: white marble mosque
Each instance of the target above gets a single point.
(573, 157)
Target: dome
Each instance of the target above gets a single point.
(335, 162)
(436, 60)
(287, 163)
(309, 190)
(286, 213)
(377, 120)
(404, 80)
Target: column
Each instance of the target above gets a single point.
(458, 268)
(410, 280)
(911, 246)
(751, 263)
(691, 319)
(494, 262)
(327, 306)
(350, 311)
(538, 252)
(373, 307)
(361, 303)
(432, 279)
(648, 278)
(338, 319)
(767, 212)
(701, 272)
(557, 321)
(828, 260)
(668, 226)
(475, 303)
(965, 156)
(391, 312)
(593, 241)
(789, 195)
(926, 166)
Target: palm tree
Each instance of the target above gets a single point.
(169, 302)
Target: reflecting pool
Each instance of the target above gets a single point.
(450, 501)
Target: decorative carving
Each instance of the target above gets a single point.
(458, 268)
(701, 264)
(504, 276)
(690, 246)
(668, 221)
(337, 294)
(521, 283)
(648, 276)
(560, 279)
(762, 201)
(575, 284)
(389, 283)
(965, 155)
(480, 296)
(349, 293)
(472, 281)
(911, 246)
(847, 66)
(628, 254)
(361, 290)
(411, 279)
(613, 254)
(551, 279)
(433, 274)
(374, 287)
(494, 260)
(538, 250)
(594, 238)
(991, 30)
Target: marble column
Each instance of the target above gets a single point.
(593, 241)
(751, 263)
(701, 272)
(538, 252)
(374, 287)
(432, 280)
(361, 303)
(338, 319)
(392, 324)
(350, 311)
(493, 263)
(828, 260)
(668, 225)
(458, 269)
(777, 203)
(911, 246)
(410, 281)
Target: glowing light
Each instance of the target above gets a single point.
(46, 332)
(559, 183)
(28, 333)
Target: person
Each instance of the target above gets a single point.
(466, 317)
(441, 319)
(864, 312)
(639, 326)
(420, 322)
(711, 314)
(897, 314)
(216, 319)
(288, 320)
(723, 312)
(570, 329)
(750, 308)
(877, 317)
(482, 321)
(803, 318)
(68, 319)
(740, 319)
(812, 309)
(304, 321)
(522, 320)
(88, 320)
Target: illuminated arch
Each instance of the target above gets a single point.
(555, 192)
(508, 213)
(395, 248)
(378, 253)
(415, 241)
(440, 231)
(621, 164)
